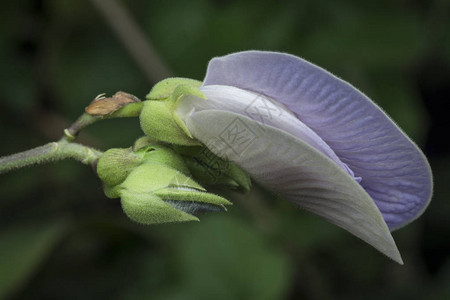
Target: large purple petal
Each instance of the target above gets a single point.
(296, 171)
(394, 171)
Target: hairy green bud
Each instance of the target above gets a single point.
(156, 193)
(115, 164)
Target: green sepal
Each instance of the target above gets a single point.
(150, 177)
(111, 192)
(192, 196)
(193, 202)
(183, 90)
(142, 142)
(209, 169)
(164, 89)
(158, 117)
(239, 176)
(157, 153)
(157, 122)
(150, 209)
(157, 193)
(177, 95)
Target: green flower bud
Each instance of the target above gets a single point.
(155, 193)
(158, 118)
(115, 164)
(150, 209)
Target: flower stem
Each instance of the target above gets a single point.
(65, 147)
(49, 153)
(129, 110)
(71, 133)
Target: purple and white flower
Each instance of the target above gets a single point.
(313, 139)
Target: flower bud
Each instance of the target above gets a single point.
(115, 164)
(156, 193)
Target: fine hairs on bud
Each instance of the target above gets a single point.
(115, 164)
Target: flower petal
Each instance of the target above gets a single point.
(395, 172)
(258, 107)
(295, 170)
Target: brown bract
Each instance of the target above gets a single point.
(102, 106)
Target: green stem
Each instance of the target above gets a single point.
(49, 153)
(129, 110)
(65, 148)
(71, 133)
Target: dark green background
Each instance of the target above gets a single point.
(60, 237)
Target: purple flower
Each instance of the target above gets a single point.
(313, 139)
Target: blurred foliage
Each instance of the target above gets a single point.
(61, 237)
(15, 245)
